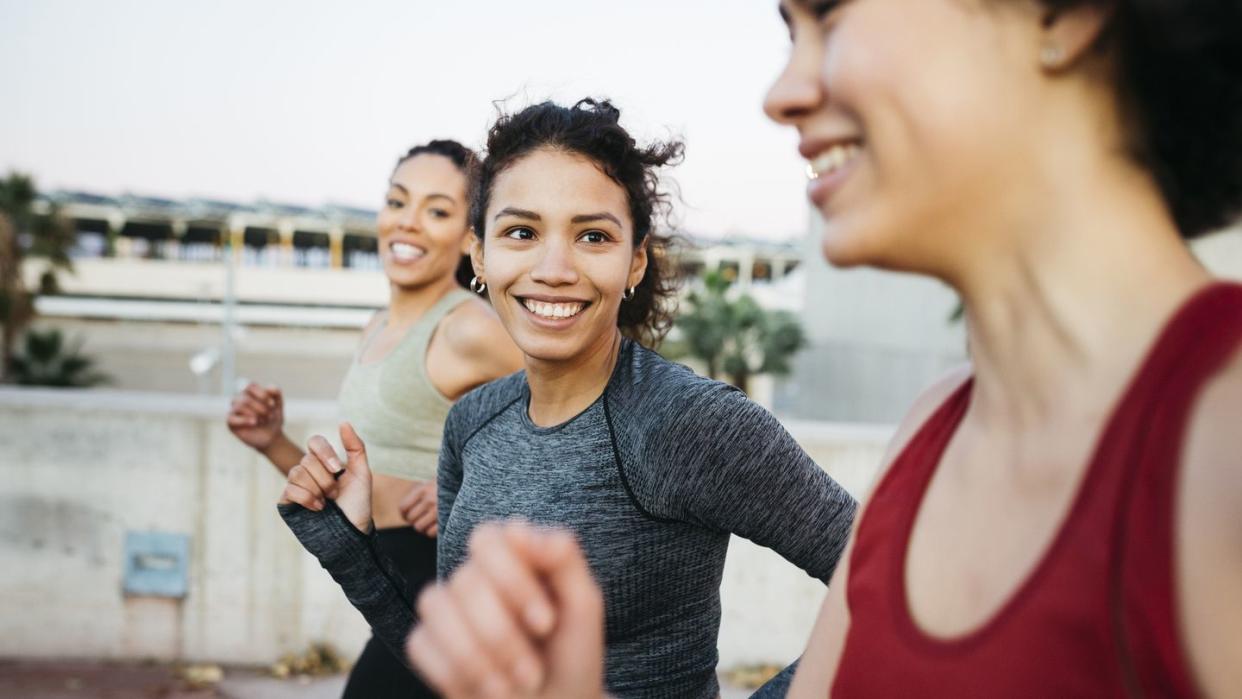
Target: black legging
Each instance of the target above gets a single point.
(378, 674)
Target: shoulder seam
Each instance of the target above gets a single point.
(496, 413)
(625, 481)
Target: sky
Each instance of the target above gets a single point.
(310, 102)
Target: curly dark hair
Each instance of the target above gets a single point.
(591, 128)
(466, 161)
(1179, 75)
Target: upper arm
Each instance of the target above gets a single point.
(1208, 537)
(728, 464)
(448, 470)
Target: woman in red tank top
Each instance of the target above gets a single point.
(1063, 517)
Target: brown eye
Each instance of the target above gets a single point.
(520, 234)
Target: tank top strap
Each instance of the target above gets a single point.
(419, 334)
(1197, 344)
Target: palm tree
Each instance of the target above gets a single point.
(47, 361)
(24, 232)
(736, 337)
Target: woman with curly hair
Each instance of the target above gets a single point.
(652, 467)
(432, 343)
(1062, 517)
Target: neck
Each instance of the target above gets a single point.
(406, 305)
(561, 389)
(1062, 314)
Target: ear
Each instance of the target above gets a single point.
(1070, 33)
(476, 255)
(638, 265)
(467, 241)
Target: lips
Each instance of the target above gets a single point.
(829, 165)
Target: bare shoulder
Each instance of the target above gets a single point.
(474, 332)
(1208, 538)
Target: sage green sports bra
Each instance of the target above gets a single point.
(392, 403)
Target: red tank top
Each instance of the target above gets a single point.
(1097, 617)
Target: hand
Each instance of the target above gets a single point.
(521, 617)
(257, 415)
(320, 477)
(418, 507)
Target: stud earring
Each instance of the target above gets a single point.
(1051, 56)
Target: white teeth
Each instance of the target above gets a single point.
(405, 252)
(832, 160)
(554, 311)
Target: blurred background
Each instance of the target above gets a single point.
(188, 202)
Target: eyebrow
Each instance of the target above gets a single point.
(592, 218)
(433, 195)
(519, 213)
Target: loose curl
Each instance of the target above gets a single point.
(1179, 68)
(591, 128)
(466, 161)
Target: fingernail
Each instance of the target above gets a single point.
(319, 505)
(538, 617)
(336, 465)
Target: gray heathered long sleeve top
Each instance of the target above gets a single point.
(652, 478)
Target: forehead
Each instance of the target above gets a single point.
(557, 184)
(429, 173)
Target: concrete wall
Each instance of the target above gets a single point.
(81, 468)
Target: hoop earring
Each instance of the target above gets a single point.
(628, 295)
(477, 285)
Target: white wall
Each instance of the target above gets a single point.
(80, 468)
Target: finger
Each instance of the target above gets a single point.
(419, 510)
(320, 447)
(434, 531)
(510, 648)
(278, 398)
(425, 523)
(355, 451)
(259, 409)
(236, 419)
(432, 664)
(297, 494)
(323, 478)
(514, 577)
(299, 477)
(410, 499)
(446, 624)
(258, 393)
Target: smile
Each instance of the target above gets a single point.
(553, 310)
(833, 160)
(405, 252)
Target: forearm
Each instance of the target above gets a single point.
(370, 580)
(283, 453)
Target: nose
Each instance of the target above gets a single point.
(408, 220)
(798, 90)
(555, 266)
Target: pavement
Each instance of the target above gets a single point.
(81, 679)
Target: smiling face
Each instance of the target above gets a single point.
(911, 118)
(558, 254)
(422, 227)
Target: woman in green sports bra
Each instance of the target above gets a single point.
(433, 343)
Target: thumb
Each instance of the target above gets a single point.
(355, 451)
